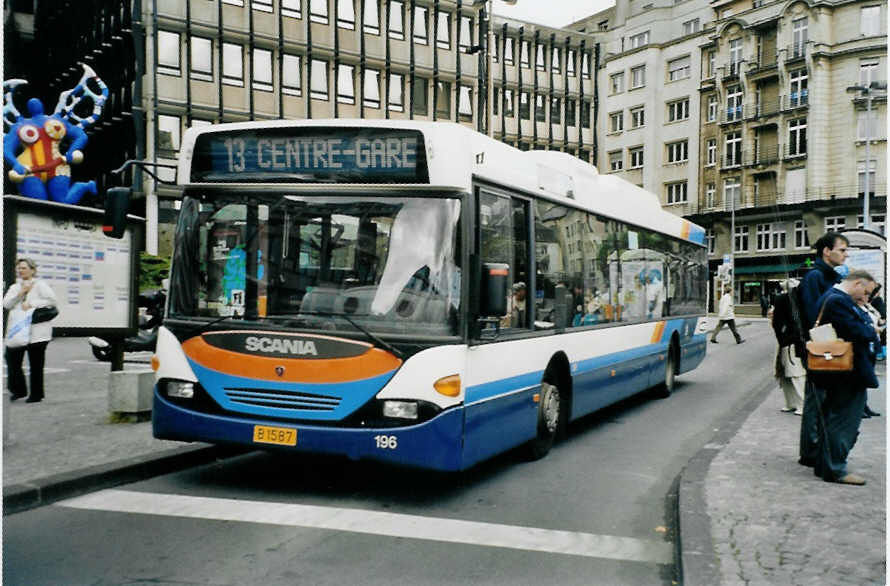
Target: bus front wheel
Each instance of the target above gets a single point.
(665, 389)
(549, 417)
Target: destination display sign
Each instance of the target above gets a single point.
(311, 155)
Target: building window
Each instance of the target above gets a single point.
(571, 109)
(867, 126)
(202, 59)
(291, 75)
(585, 65)
(509, 106)
(712, 152)
(346, 14)
(291, 8)
(732, 190)
(735, 56)
(711, 240)
(570, 62)
(168, 53)
(868, 71)
(509, 45)
(396, 92)
(396, 20)
(679, 68)
(371, 91)
(710, 192)
(678, 152)
(262, 5)
(345, 84)
(318, 85)
(636, 157)
(870, 21)
(712, 108)
(318, 11)
(798, 94)
(523, 53)
(555, 110)
(524, 106)
(540, 111)
(616, 160)
(877, 224)
(168, 132)
(771, 237)
(421, 28)
(585, 115)
(616, 121)
(603, 25)
(639, 40)
(797, 137)
(733, 149)
(678, 110)
(443, 99)
(539, 57)
(801, 239)
(466, 33)
(616, 82)
(638, 76)
(711, 61)
(835, 223)
(734, 103)
(677, 192)
(638, 117)
(371, 17)
(799, 29)
(860, 173)
(233, 64)
(555, 60)
(443, 30)
(465, 102)
(691, 26)
(262, 69)
(420, 102)
(741, 238)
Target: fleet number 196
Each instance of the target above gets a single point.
(386, 442)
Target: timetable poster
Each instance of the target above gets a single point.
(89, 272)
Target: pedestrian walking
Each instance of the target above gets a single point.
(831, 252)
(843, 394)
(764, 304)
(872, 314)
(23, 335)
(726, 315)
(790, 352)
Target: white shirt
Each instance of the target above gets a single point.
(727, 308)
(40, 295)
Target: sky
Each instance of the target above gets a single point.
(555, 13)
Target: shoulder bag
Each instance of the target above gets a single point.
(828, 355)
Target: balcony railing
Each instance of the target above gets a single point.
(732, 161)
(795, 51)
(763, 156)
(765, 59)
(763, 108)
(732, 69)
(796, 100)
(793, 151)
(751, 199)
(734, 114)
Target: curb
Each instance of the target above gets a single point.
(50, 489)
(699, 566)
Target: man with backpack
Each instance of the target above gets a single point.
(787, 325)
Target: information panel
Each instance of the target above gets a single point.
(89, 273)
(311, 155)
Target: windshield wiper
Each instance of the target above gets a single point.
(371, 336)
(201, 328)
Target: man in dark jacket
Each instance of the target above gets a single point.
(845, 395)
(831, 252)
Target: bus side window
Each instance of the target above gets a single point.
(503, 238)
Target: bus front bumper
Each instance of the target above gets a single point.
(434, 444)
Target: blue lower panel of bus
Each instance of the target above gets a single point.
(435, 444)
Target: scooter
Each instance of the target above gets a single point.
(151, 305)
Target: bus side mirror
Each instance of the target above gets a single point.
(493, 290)
(117, 204)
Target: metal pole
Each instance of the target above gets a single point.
(865, 210)
(489, 36)
(732, 247)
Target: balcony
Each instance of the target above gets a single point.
(795, 51)
(766, 60)
(733, 161)
(731, 70)
(734, 114)
(795, 100)
(764, 108)
(792, 151)
(763, 156)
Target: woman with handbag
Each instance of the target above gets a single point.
(23, 334)
(842, 370)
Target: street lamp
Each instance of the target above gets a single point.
(865, 91)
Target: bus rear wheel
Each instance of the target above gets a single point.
(549, 418)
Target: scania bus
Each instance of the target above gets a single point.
(413, 292)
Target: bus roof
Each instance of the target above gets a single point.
(455, 154)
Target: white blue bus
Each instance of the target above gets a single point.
(413, 292)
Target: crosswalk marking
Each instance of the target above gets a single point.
(378, 523)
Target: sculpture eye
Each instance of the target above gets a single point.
(29, 134)
(54, 129)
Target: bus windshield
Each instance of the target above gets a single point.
(382, 264)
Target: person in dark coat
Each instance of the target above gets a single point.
(844, 396)
(831, 252)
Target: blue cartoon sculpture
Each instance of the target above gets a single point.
(32, 144)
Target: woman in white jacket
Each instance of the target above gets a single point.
(727, 316)
(29, 293)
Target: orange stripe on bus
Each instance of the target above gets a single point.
(374, 362)
(656, 335)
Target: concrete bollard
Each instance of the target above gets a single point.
(130, 393)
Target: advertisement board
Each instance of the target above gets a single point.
(868, 259)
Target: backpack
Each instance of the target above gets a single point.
(787, 322)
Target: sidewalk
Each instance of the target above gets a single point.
(750, 514)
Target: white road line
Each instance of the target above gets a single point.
(46, 370)
(378, 523)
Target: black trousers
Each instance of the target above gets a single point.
(36, 359)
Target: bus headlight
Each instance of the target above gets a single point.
(180, 389)
(400, 409)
